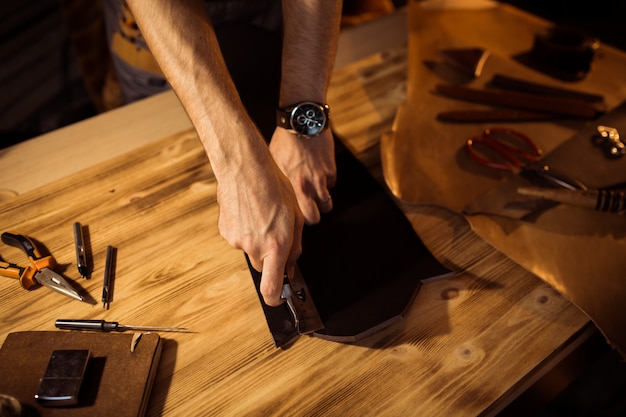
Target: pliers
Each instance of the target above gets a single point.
(41, 270)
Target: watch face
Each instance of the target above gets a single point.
(308, 119)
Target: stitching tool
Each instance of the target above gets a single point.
(110, 326)
(81, 252)
(40, 271)
(108, 277)
(509, 150)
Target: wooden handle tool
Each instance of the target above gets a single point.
(601, 200)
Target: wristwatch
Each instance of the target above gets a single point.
(306, 119)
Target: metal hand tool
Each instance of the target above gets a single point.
(81, 252)
(296, 294)
(610, 201)
(510, 150)
(297, 316)
(110, 326)
(108, 275)
(41, 271)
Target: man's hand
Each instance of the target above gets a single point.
(260, 215)
(309, 163)
(261, 212)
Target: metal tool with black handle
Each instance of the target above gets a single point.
(110, 326)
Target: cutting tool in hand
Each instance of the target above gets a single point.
(298, 315)
(510, 150)
(39, 272)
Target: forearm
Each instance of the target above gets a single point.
(184, 44)
(311, 29)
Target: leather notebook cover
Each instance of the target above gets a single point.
(117, 381)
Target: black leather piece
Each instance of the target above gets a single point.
(363, 263)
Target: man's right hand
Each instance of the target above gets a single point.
(259, 214)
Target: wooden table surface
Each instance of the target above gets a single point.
(138, 178)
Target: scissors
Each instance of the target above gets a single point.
(39, 272)
(509, 150)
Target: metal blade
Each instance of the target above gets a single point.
(153, 328)
(56, 282)
(307, 319)
(284, 325)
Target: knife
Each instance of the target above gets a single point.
(533, 102)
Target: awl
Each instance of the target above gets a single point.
(110, 326)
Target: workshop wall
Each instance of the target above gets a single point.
(41, 86)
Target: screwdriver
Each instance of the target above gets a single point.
(110, 326)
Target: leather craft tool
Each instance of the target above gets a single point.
(468, 60)
(526, 101)
(39, 272)
(110, 326)
(504, 82)
(509, 150)
(300, 303)
(61, 382)
(81, 252)
(512, 83)
(297, 316)
(601, 200)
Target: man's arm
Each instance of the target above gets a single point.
(258, 210)
(311, 29)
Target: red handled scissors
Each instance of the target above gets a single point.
(509, 150)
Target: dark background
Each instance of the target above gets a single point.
(42, 88)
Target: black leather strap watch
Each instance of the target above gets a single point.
(306, 119)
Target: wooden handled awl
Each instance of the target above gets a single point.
(601, 200)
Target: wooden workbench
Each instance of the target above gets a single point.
(138, 178)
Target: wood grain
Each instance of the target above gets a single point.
(464, 346)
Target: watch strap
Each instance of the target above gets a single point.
(283, 117)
